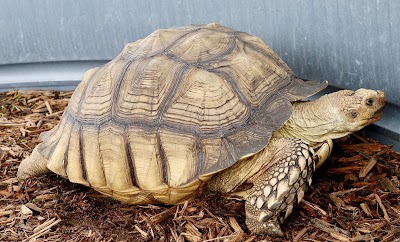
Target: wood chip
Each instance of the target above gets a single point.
(39, 110)
(48, 106)
(6, 213)
(396, 180)
(223, 238)
(44, 225)
(340, 237)
(11, 125)
(9, 181)
(7, 221)
(33, 100)
(191, 237)
(191, 228)
(175, 235)
(46, 197)
(56, 114)
(367, 168)
(163, 215)
(379, 201)
(25, 210)
(234, 224)
(340, 193)
(39, 123)
(315, 207)
(33, 207)
(388, 185)
(334, 231)
(366, 237)
(345, 170)
(389, 237)
(373, 159)
(337, 201)
(144, 234)
(44, 228)
(366, 209)
(300, 234)
(360, 138)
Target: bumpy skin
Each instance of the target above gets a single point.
(37, 167)
(280, 188)
(333, 115)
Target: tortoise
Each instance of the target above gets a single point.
(195, 110)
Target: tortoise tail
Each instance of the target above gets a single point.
(34, 165)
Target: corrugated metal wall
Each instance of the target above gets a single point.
(47, 43)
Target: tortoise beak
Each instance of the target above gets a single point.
(377, 115)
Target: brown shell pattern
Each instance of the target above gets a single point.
(154, 123)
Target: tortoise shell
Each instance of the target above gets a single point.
(170, 111)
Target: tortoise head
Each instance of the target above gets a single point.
(357, 109)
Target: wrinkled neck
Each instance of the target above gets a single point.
(313, 122)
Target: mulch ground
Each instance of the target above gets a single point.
(355, 195)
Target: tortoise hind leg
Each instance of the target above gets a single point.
(281, 186)
(34, 165)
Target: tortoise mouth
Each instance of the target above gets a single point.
(377, 115)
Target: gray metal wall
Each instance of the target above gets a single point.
(355, 43)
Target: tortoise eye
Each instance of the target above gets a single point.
(369, 101)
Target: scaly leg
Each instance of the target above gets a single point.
(281, 186)
(34, 165)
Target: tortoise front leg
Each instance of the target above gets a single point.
(280, 187)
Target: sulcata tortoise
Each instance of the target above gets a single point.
(200, 109)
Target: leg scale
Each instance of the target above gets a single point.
(281, 186)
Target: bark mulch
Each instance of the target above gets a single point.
(354, 196)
